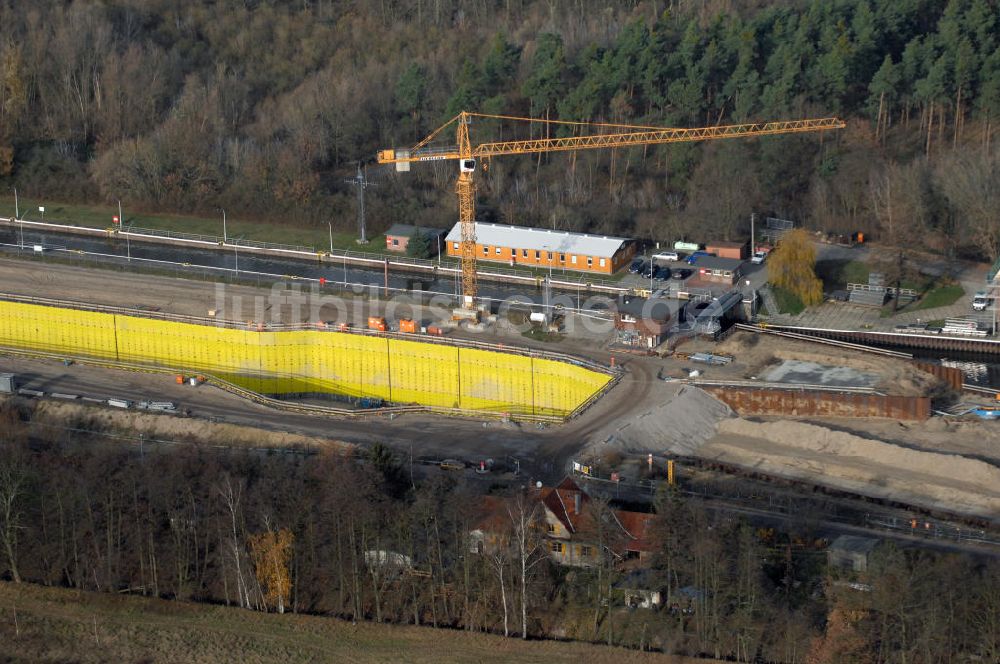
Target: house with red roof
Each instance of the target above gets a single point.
(577, 530)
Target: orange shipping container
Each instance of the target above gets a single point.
(376, 323)
(406, 325)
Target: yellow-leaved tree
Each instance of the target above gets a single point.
(272, 552)
(792, 266)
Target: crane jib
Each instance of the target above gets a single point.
(620, 136)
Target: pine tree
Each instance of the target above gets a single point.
(419, 245)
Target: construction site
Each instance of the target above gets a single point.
(680, 372)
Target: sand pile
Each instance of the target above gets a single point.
(678, 422)
(863, 465)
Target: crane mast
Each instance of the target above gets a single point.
(612, 136)
(466, 190)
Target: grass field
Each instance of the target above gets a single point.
(940, 296)
(59, 625)
(99, 216)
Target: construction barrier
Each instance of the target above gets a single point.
(309, 362)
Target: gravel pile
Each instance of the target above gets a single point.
(679, 423)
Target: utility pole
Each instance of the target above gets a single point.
(753, 242)
(17, 210)
(361, 183)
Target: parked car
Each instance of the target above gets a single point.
(648, 270)
(662, 273)
(667, 256)
(636, 266)
(759, 257)
(682, 273)
(452, 464)
(980, 301)
(693, 258)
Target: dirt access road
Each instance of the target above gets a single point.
(543, 453)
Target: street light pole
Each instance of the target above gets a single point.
(330, 225)
(121, 224)
(224, 235)
(17, 216)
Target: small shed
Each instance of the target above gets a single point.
(723, 249)
(398, 237)
(640, 589)
(719, 270)
(851, 553)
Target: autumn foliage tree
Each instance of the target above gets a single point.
(792, 266)
(271, 552)
(840, 644)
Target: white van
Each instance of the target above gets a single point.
(667, 256)
(980, 301)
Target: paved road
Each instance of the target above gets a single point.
(254, 268)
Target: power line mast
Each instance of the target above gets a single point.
(362, 183)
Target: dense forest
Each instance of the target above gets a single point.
(264, 107)
(359, 539)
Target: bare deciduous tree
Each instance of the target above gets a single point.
(13, 485)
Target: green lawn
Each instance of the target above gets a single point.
(99, 216)
(940, 296)
(788, 302)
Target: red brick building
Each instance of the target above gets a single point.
(398, 237)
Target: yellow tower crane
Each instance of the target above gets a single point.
(612, 136)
